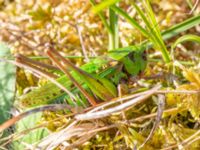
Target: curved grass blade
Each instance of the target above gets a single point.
(188, 37)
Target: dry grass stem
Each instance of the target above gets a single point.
(107, 112)
(42, 74)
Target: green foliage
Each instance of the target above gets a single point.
(114, 35)
(134, 64)
(99, 86)
(7, 84)
(33, 98)
(119, 53)
(131, 127)
(34, 136)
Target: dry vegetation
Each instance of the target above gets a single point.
(157, 109)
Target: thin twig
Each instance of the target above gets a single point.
(117, 100)
(194, 7)
(82, 43)
(178, 91)
(127, 97)
(50, 143)
(161, 104)
(15, 136)
(52, 107)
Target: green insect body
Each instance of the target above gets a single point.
(136, 63)
(44, 94)
(49, 92)
(98, 84)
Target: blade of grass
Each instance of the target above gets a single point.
(112, 28)
(156, 37)
(132, 21)
(181, 27)
(114, 36)
(188, 37)
(152, 28)
(189, 2)
(157, 41)
(69, 57)
(103, 19)
(103, 5)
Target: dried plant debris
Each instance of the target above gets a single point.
(89, 97)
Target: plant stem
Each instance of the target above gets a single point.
(113, 36)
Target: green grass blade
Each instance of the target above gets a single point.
(114, 35)
(161, 45)
(103, 19)
(132, 21)
(151, 15)
(103, 5)
(188, 37)
(112, 28)
(144, 18)
(181, 27)
(153, 28)
(189, 2)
